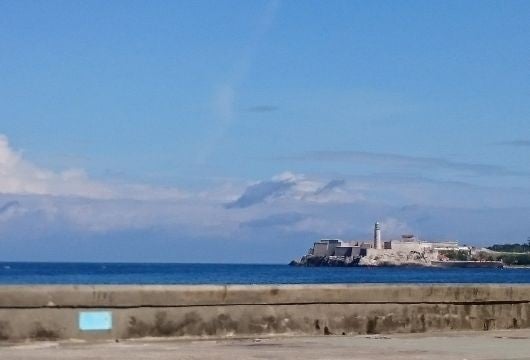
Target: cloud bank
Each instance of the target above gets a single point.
(66, 215)
(405, 161)
(20, 176)
(516, 143)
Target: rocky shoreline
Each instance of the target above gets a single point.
(411, 259)
(325, 261)
(406, 251)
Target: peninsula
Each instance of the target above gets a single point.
(406, 251)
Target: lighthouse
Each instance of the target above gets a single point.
(377, 236)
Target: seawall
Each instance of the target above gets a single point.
(118, 312)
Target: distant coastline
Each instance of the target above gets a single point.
(333, 262)
(408, 251)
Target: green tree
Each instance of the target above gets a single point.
(460, 255)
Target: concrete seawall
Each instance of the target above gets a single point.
(117, 312)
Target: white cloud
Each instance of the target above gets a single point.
(20, 176)
(298, 187)
(225, 96)
(36, 202)
(389, 160)
(10, 210)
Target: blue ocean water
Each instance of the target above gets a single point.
(137, 273)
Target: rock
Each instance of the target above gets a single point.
(391, 258)
(315, 261)
(412, 258)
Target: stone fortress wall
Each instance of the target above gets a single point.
(405, 251)
(213, 311)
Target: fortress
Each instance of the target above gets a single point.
(407, 250)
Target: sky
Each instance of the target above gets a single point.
(243, 131)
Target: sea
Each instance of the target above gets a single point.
(164, 273)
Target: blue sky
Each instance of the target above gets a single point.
(130, 126)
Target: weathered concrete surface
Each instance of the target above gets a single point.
(507, 344)
(182, 295)
(52, 312)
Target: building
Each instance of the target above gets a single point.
(407, 244)
(325, 247)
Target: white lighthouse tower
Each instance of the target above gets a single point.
(377, 236)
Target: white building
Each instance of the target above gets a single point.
(406, 244)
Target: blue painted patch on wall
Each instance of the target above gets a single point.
(95, 320)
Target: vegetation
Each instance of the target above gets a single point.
(509, 254)
(484, 256)
(512, 254)
(511, 248)
(514, 259)
(507, 258)
(460, 255)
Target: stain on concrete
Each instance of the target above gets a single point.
(40, 332)
(191, 325)
(371, 326)
(422, 322)
(222, 324)
(137, 328)
(489, 324)
(271, 324)
(354, 323)
(5, 330)
(393, 323)
(161, 326)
